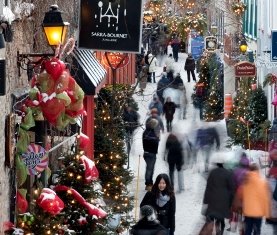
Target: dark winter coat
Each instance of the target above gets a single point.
(144, 227)
(219, 193)
(175, 44)
(166, 214)
(169, 110)
(162, 84)
(150, 141)
(190, 63)
(174, 151)
(131, 120)
(207, 136)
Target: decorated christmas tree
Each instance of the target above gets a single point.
(238, 124)
(213, 108)
(110, 153)
(257, 115)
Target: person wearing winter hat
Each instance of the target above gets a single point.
(240, 171)
(218, 194)
(148, 223)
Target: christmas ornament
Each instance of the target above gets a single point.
(83, 141)
(50, 202)
(92, 210)
(21, 202)
(91, 172)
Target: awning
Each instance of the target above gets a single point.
(87, 71)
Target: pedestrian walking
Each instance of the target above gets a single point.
(142, 78)
(218, 194)
(255, 200)
(156, 103)
(150, 142)
(148, 223)
(207, 139)
(169, 63)
(175, 44)
(162, 199)
(160, 127)
(161, 86)
(183, 102)
(131, 119)
(153, 67)
(190, 67)
(175, 159)
(169, 108)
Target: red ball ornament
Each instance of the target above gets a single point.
(83, 141)
(54, 67)
(21, 202)
(50, 202)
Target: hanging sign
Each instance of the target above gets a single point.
(35, 159)
(273, 46)
(245, 69)
(210, 43)
(107, 25)
(115, 60)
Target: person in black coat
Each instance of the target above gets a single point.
(148, 223)
(150, 143)
(162, 199)
(219, 194)
(169, 108)
(190, 67)
(175, 159)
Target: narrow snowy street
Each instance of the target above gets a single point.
(188, 210)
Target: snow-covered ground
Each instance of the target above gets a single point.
(188, 210)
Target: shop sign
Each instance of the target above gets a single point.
(110, 25)
(115, 60)
(245, 69)
(210, 43)
(35, 159)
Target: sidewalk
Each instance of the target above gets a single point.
(188, 204)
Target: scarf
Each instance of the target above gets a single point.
(162, 200)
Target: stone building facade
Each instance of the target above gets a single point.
(27, 37)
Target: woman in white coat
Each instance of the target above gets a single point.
(153, 66)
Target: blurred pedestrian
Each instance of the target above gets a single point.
(146, 61)
(177, 81)
(162, 199)
(142, 78)
(169, 63)
(131, 119)
(169, 108)
(148, 223)
(156, 103)
(183, 102)
(218, 194)
(150, 142)
(153, 67)
(190, 67)
(272, 163)
(255, 200)
(175, 160)
(160, 127)
(161, 85)
(175, 44)
(206, 139)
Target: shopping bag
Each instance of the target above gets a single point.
(234, 222)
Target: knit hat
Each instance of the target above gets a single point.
(244, 161)
(147, 212)
(152, 123)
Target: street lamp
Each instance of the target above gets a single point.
(243, 46)
(54, 27)
(55, 31)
